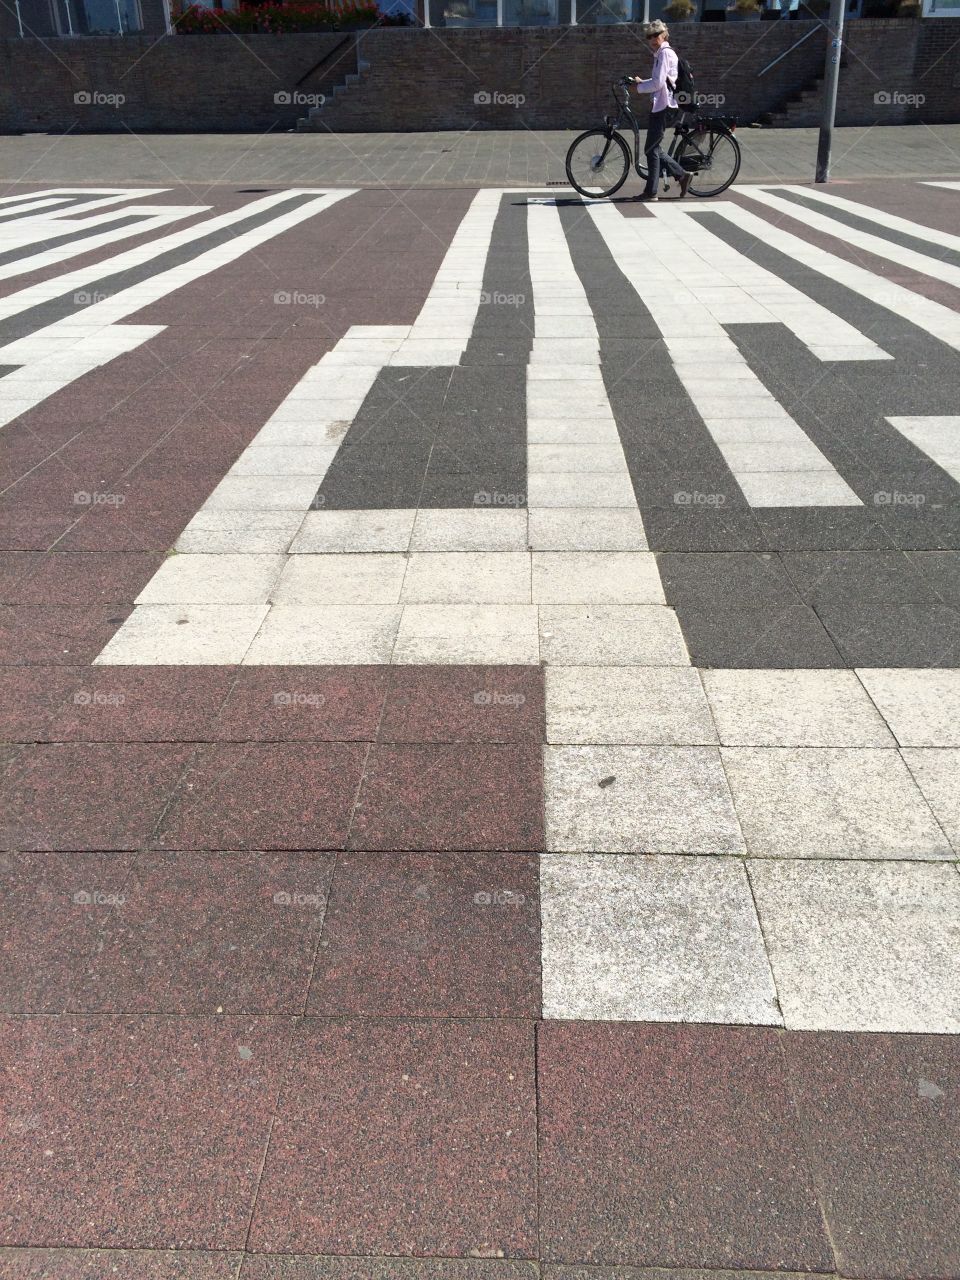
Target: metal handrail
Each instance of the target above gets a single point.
(326, 58)
(781, 56)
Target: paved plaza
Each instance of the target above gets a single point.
(480, 725)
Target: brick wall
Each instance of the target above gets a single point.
(424, 80)
(182, 84)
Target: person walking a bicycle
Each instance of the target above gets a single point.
(663, 109)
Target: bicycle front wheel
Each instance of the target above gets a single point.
(712, 158)
(598, 163)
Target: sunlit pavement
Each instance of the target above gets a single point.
(480, 690)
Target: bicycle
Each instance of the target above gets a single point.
(598, 161)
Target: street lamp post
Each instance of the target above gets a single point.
(831, 79)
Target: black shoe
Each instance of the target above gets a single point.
(683, 183)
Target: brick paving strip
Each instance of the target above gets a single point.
(468, 158)
(465, 857)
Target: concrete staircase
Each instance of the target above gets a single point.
(800, 109)
(313, 120)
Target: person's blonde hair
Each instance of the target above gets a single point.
(655, 28)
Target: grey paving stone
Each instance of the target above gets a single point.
(787, 636)
(862, 946)
(830, 803)
(793, 708)
(635, 706)
(638, 800)
(455, 158)
(628, 937)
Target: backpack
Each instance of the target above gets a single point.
(684, 88)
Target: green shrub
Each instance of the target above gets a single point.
(277, 19)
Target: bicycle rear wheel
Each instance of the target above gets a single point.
(712, 158)
(598, 163)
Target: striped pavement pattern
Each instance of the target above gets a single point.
(522, 812)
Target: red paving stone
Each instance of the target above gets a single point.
(431, 936)
(403, 1137)
(53, 634)
(673, 1146)
(31, 695)
(141, 704)
(209, 933)
(882, 1131)
(52, 909)
(54, 578)
(291, 1267)
(289, 704)
(117, 1264)
(88, 795)
(265, 796)
(450, 797)
(464, 704)
(136, 1132)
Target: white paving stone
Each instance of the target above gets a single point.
(341, 579)
(324, 634)
(601, 577)
(802, 455)
(189, 634)
(246, 532)
(264, 493)
(830, 803)
(638, 800)
(471, 577)
(572, 430)
(468, 633)
(586, 529)
(287, 460)
(566, 458)
(936, 772)
(387, 530)
(863, 946)
(752, 431)
(461, 530)
(921, 706)
(794, 708)
(213, 579)
(652, 939)
(634, 706)
(796, 489)
(579, 489)
(611, 635)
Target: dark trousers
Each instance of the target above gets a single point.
(660, 121)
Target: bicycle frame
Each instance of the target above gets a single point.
(625, 115)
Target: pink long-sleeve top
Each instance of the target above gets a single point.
(665, 67)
